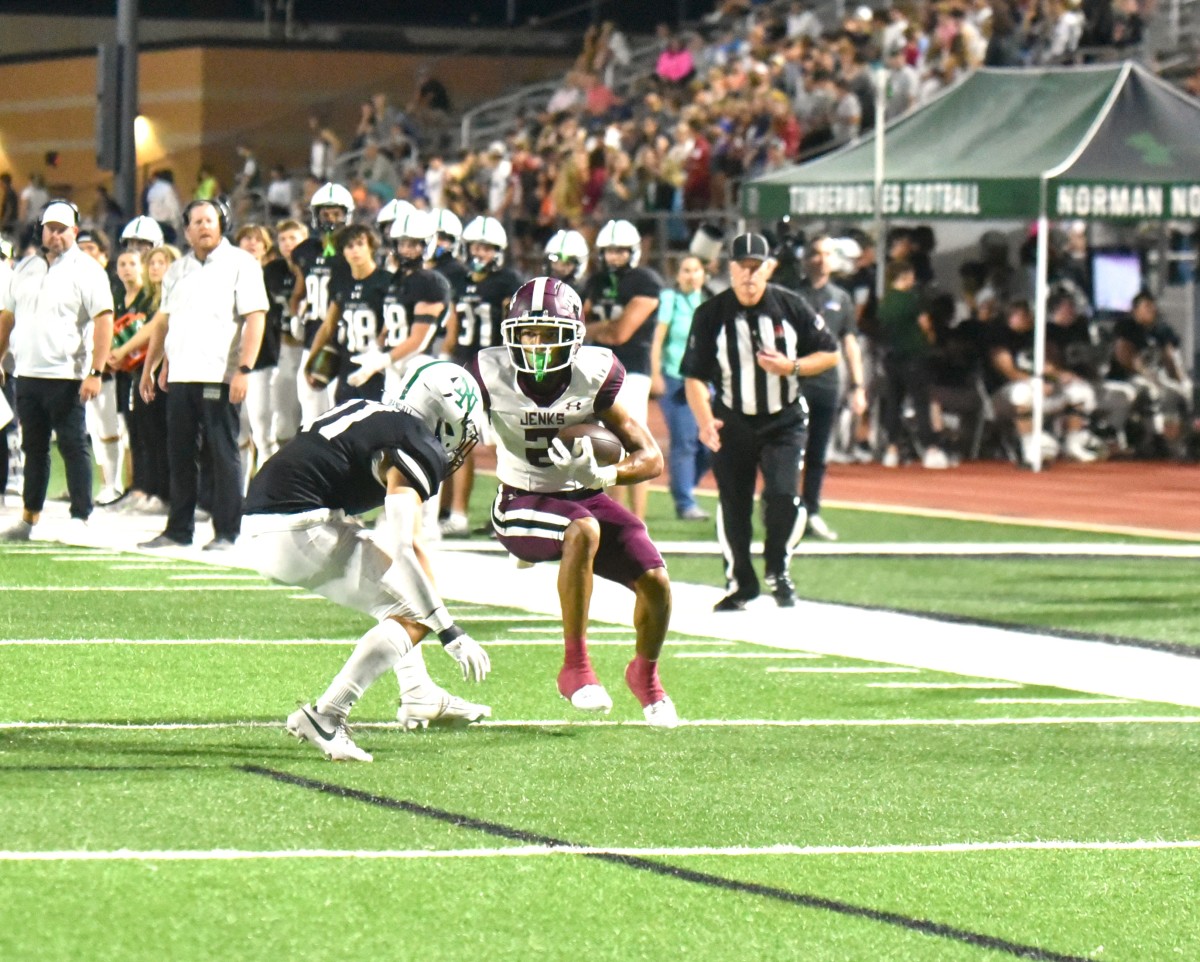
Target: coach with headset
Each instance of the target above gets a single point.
(209, 327)
(752, 344)
(58, 309)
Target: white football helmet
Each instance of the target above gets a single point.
(621, 233)
(445, 225)
(566, 255)
(391, 210)
(486, 230)
(415, 225)
(447, 398)
(543, 329)
(334, 196)
(145, 229)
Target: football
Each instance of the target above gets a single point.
(605, 444)
(324, 367)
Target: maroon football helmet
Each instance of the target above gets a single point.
(543, 329)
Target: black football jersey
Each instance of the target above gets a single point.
(361, 323)
(609, 292)
(331, 463)
(399, 304)
(280, 282)
(480, 311)
(1001, 337)
(454, 271)
(1149, 342)
(320, 268)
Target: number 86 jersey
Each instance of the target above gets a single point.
(524, 422)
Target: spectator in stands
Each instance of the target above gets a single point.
(207, 185)
(162, 202)
(675, 66)
(33, 198)
(323, 150)
(10, 206)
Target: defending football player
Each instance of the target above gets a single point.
(300, 529)
(551, 503)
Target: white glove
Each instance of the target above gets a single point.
(470, 656)
(582, 467)
(369, 365)
(296, 327)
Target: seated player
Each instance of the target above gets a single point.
(299, 529)
(551, 503)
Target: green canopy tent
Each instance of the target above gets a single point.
(1109, 142)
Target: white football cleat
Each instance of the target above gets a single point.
(440, 707)
(591, 698)
(327, 732)
(662, 714)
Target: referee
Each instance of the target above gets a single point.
(752, 344)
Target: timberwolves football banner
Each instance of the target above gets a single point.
(1104, 142)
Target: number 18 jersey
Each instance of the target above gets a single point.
(524, 424)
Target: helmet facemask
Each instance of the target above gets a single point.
(542, 345)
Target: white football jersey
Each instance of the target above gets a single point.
(522, 428)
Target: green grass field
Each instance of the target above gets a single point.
(151, 808)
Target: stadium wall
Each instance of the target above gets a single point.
(199, 102)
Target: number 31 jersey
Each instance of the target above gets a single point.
(524, 424)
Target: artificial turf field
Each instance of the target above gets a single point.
(151, 808)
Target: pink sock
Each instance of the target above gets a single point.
(641, 675)
(577, 668)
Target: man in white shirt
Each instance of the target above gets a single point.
(210, 327)
(58, 312)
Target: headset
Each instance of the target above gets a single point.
(216, 204)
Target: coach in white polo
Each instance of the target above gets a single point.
(58, 313)
(210, 327)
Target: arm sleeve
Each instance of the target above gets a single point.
(405, 578)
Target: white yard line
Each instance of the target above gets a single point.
(138, 589)
(773, 656)
(1052, 701)
(167, 642)
(947, 685)
(604, 723)
(535, 851)
(214, 577)
(845, 671)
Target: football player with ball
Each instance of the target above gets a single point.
(538, 388)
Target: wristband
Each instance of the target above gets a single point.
(94, 373)
(244, 369)
(446, 636)
(796, 367)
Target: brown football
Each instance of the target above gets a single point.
(605, 444)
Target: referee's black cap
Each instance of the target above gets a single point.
(749, 246)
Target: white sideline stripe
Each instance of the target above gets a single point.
(139, 589)
(1014, 549)
(943, 684)
(1052, 701)
(515, 619)
(596, 723)
(534, 851)
(778, 656)
(592, 629)
(1165, 533)
(846, 671)
(85, 556)
(873, 636)
(306, 598)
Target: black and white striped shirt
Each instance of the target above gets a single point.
(725, 337)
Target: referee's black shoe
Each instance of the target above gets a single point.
(735, 601)
(783, 590)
